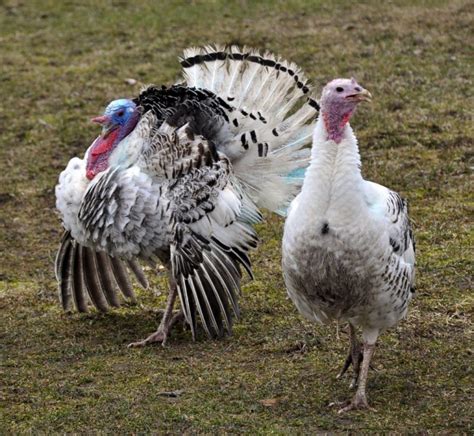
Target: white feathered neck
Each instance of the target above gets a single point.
(333, 181)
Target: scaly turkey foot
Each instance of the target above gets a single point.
(359, 402)
(161, 335)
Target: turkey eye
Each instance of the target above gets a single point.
(339, 89)
(357, 89)
(120, 113)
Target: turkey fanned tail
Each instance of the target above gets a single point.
(86, 276)
(269, 109)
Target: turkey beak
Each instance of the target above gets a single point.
(103, 119)
(106, 124)
(363, 95)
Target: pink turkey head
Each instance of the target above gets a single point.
(338, 102)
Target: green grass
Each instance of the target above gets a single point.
(62, 62)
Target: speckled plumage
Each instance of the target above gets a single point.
(348, 248)
(184, 186)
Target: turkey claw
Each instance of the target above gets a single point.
(357, 403)
(159, 336)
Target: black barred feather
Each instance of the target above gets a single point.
(178, 105)
(139, 274)
(63, 269)
(123, 280)
(188, 304)
(77, 281)
(228, 274)
(61, 254)
(92, 281)
(401, 233)
(213, 282)
(86, 275)
(107, 280)
(249, 56)
(238, 256)
(209, 286)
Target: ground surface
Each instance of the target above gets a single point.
(62, 62)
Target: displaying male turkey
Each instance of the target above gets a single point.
(348, 249)
(177, 177)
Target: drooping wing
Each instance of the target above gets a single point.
(211, 227)
(88, 276)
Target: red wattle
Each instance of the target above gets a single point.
(97, 160)
(102, 145)
(345, 119)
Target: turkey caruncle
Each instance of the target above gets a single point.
(177, 177)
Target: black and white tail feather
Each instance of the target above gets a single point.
(271, 110)
(212, 151)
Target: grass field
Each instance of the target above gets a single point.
(62, 62)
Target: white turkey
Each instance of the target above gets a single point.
(348, 248)
(177, 177)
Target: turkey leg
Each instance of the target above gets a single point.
(360, 398)
(354, 357)
(169, 319)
